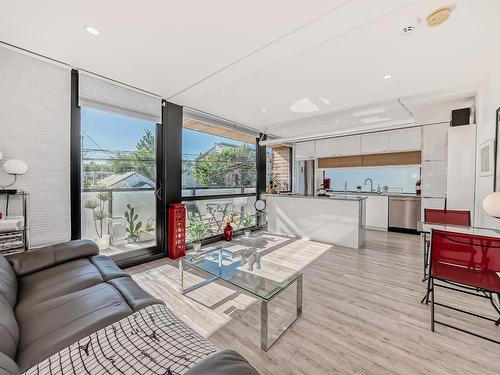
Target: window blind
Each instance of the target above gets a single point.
(102, 94)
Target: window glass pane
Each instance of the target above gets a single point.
(398, 178)
(211, 214)
(213, 164)
(118, 181)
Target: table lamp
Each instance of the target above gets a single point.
(491, 204)
(14, 167)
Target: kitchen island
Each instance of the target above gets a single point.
(337, 220)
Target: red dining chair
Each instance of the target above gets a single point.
(445, 217)
(465, 263)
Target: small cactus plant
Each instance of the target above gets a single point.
(133, 227)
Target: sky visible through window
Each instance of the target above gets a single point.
(110, 131)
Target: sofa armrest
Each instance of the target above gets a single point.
(45, 257)
(8, 366)
(225, 362)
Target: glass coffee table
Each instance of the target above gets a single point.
(265, 283)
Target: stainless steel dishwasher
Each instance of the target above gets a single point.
(404, 213)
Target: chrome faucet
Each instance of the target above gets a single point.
(371, 183)
(345, 187)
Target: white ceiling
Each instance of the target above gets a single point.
(235, 58)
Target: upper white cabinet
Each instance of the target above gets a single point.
(434, 142)
(374, 143)
(326, 147)
(405, 139)
(305, 150)
(349, 145)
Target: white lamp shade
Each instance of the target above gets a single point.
(15, 166)
(491, 204)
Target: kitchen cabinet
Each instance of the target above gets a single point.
(434, 179)
(434, 142)
(405, 139)
(326, 147)
(374, 143)
(377, 212)
(461, 168)
(349, 145)
(305, 150)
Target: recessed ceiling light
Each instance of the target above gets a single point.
(91, 30)
(387, 76)
(263, 110)
(337, 121)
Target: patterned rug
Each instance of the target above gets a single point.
(151, 341)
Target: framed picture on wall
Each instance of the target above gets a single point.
(496, 162)
(486, 158)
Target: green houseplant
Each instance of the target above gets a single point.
(133, 227)
(247, 220)
(196, 230)
(99, 215)
(147, 232)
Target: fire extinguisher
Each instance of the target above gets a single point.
(418, 187)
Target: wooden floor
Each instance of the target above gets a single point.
(362, 312)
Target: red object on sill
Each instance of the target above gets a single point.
(228, 232)
(326, 183)
(176, 230)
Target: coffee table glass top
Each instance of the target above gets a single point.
(264, 283)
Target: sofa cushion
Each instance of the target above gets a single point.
(45, 257)
(57, 281)
(8, 282)
(108, 269)
(225, 362)
(136, 297)
(9, 331)
(49, 326)
(8, 366)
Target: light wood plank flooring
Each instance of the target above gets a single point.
(362, 312)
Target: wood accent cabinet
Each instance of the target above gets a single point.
(372, 160)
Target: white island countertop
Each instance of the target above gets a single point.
(338, 220)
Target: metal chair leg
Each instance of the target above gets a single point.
(432, 303)
(426, 297)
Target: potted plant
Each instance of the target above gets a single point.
(97, 206)
(196, 230)
(133, 227)
(247, 221)
(147, 232)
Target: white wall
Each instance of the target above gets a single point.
(35, 127)
(488, 100)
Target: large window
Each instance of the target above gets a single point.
(118, 181)
(219, 177)
(216, 165)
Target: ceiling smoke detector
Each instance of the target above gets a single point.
(438, 16)
(409, 26)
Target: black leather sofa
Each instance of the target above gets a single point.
(53, 296)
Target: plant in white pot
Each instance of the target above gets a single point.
(99, 216)
(247, 220)
(196, 230)
(148, 232)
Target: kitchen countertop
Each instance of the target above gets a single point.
(389, 194)
(338, 197)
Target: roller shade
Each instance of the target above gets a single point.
(99, 93)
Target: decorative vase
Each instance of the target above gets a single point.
(247, 232)
(228, 232)
(196, 247)
(103, 242)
